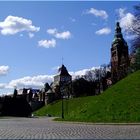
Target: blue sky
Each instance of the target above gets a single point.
(35, 36)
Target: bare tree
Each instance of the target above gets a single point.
(136, 21)
(135, 44)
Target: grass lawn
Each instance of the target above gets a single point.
(119, 103)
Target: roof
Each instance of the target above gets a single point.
(63, 71)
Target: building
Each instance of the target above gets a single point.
(119, 56)
(62, 83)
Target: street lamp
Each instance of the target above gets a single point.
(62, 106)
(64, 95)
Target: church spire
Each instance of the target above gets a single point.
(118, 33)
(118, 37)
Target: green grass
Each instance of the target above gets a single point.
(119, 103)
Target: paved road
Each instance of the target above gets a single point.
(45, 128)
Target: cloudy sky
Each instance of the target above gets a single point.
(36, 37)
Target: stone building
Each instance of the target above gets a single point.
(62, 83)
(119, 56)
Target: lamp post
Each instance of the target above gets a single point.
(62, 107)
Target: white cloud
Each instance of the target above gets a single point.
(4, 70)
(98, 13)
(13, 24)
(52, 31)
(47, 43)
(103, 31)
(31, 35)
(78, 74)
(125, 19)
(82, 73)
(63, 35)
(31, 82)
(129, 23)
(2, 85)
(59, 35)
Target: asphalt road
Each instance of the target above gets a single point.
(45, 128)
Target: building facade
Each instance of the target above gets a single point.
(119, 56)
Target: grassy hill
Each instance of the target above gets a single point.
(119, 103)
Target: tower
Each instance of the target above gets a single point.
(62, 82)
(119, 56)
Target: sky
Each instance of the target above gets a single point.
(37, 37)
